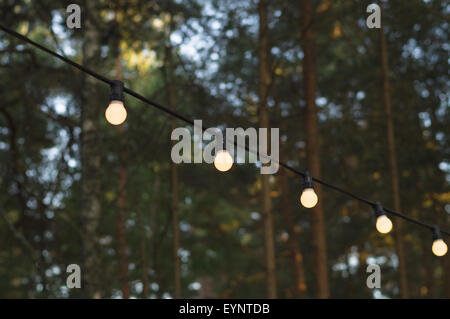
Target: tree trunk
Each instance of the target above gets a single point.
(122, 197)
(437, 208)
(144, 262)
(263, 53)
(312, 150)
(428, 267)
(296, 257)
(173, 169)
(446, 266)
(393, 167)
(441, 218)
(90, 160)
(445, 263)
(299, 287)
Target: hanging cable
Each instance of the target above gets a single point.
(308, 178)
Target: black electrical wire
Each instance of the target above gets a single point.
(37, 45)
(94, 74)
(191, 122)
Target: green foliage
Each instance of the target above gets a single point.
(215, 44)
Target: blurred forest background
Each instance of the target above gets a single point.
(365, 109)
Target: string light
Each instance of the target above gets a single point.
(383, 224)
(223, 160)
(117, 115)
(116, 112)
(439, 246)
(308, 198)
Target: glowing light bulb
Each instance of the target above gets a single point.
(223, 161)
(309, 198)
(439, 247)
(384, 224)
(116, 113)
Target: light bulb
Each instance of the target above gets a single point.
(384, 224)
(309, 198)
(116, 113)
(223, 161)
(439, 247)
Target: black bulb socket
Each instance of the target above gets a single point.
(307, 181)
(116, 93)
(378, 209)
(436, 233)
